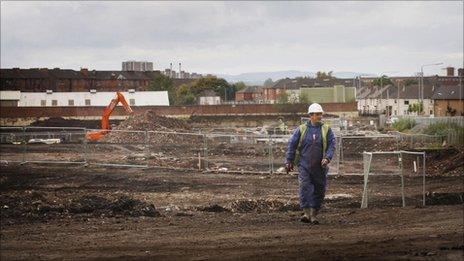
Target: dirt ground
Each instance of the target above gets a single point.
(73, 212)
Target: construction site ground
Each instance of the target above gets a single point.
(59, 211)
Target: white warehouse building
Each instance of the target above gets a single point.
(92, 98)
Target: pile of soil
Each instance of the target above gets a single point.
(448, 161)
(149, 121)
(436, 198)
(36, 206)
(61, 122)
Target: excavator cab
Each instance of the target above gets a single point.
(105, 122)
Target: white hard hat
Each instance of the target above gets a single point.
(315, 108)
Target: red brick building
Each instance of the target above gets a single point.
(250, 93)
(61, 80)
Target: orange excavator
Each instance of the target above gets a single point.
(105, 122)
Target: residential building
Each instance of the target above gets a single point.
(318, 90)
(449, 101)
(250, 94)
(60, 80)
(391, 100)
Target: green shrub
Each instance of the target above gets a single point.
(442, 129)
(404, 124)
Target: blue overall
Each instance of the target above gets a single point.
(313, 177)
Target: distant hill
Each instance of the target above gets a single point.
(258, 78)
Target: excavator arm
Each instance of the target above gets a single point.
(105, 122)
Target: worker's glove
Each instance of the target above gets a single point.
(325, 162)
(289, 167)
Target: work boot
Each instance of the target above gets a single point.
(306, 216)
(312, 216)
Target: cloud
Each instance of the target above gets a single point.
(233, 37)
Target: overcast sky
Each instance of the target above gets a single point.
(233, 38)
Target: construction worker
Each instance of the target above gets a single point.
(312, 145)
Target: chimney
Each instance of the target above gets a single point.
(449, 71)
(180, 75)
(170, 71)
(85, 71)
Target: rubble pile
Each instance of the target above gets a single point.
(149, 121)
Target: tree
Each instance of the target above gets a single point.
(239, 86)
(283, 98)
(268, 82)
(320, 75)
(416, 107)
(218, 85)
(304, 98)
(184, 96)
(163, 83)
(382, 81)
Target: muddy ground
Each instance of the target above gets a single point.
(69, 212)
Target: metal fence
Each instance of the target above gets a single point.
(210, 152)
(380, 189)
(432, 120)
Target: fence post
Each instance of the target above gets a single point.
(24, 146)
(339, 151)
(147, 147)
(423, 179)
(205, 151)
(271, 166)
(85, 149)
(402, 180)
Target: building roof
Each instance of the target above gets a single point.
(392, 92)
(251, 89)
(451, 92)
(307, 82)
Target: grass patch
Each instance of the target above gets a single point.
(443, 129)
(404, 124)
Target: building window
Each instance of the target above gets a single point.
(431, 112)
(395, 101)
(43, 102)
(87, 102)
(70, 102)
(406, 102)
(54, 103)
(132, 102)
